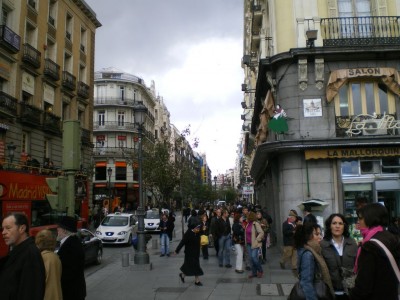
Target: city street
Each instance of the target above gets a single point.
(111, 280)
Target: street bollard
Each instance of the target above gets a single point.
(155, 243)
(125, 259)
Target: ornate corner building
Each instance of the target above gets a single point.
(321, 95)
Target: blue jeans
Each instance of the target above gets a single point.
(255, 262)
(224, 253)
(164, 240)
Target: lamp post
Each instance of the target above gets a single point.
(141, 256)
(10, 153)
(109, 172)
(215, 185)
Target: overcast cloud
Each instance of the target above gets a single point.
(192, 50)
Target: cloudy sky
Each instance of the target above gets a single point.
(192, 49)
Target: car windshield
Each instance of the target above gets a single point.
(152, 215)
(115, 221)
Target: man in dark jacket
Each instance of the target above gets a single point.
(22, 272)
(289, 252)
(308, 216)
(72, 258)
(224, 239)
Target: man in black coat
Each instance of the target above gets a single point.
(72, 258)
(22, 272)
(308, 216)
(289, 252)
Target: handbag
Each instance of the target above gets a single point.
(349, 279)
(203, 240)
(321, 288)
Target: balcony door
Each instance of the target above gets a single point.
(356, 21)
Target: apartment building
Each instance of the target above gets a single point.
(116, 134)
(321, 97)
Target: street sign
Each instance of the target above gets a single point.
(248, 190)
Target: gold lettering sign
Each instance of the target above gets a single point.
(351, 152)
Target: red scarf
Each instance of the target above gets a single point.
(367, 234)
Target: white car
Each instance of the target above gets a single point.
(117, 228)
(152, 220)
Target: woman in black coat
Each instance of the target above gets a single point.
(375, 279)
(191, 264)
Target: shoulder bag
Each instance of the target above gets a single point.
(390, 257)
(321, 288)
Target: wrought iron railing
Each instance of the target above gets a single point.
(10, 39)
(8, 104)
(51, 123)
(361, 31)
(68, 80)
(30, 114)
(31, 56)
(51, 69)
(83, 89)
(114, 125)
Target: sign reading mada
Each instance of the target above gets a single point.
(350, 152)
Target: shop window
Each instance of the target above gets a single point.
(390, 165)
(356, 98)
(101, 173)
(350, 168)
(370, 167)
(120, 173)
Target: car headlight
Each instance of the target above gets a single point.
(122, 232)
(98, 233)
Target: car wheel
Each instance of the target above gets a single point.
(129, 242)
(99, 256)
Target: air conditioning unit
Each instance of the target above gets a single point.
(372, 128)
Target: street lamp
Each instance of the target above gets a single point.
(11, 152)
(109, 172)
(215, 183)
(141, 256)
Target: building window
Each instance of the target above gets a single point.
(156, 134)
(101, 173)
(68, 62)
(81, 116)
(31, 34)
(83, 40)
(25, 142)
(4, 15)
(354, 8)
(120, 173)
(122, 92)
(101, 116)
(355, 98)
(65, 111)
(68, 27)
(50, 52)
(53, 12)
(121, 118)
(82, 73)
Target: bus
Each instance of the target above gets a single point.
(26, 192)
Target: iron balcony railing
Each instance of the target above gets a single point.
(9, 39)
(31, 56)
(114, 125)
(30, 114)
(123, 152)
(51, 123)
(68, 80)
(51, 69)
(360, 31)
(85, 137)
(83, 90)
(8, 104)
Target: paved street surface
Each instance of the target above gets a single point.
(112, 281)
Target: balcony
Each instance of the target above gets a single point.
(9, 39)
(68, 81)
(8, 105)
(51, 69)
(31, 56)
(85, 137)
(30, 114)
(83, 90)
(51, 123)
(116, 126)
(114, 101)
(360, 31)
(116, 152)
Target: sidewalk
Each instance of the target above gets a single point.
(162, 281)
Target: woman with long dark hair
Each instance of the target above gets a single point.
(309, 259)
(339, 251)
(375, 276)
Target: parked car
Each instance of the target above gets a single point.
(117, 228)
(152, 220)
(92, 246)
